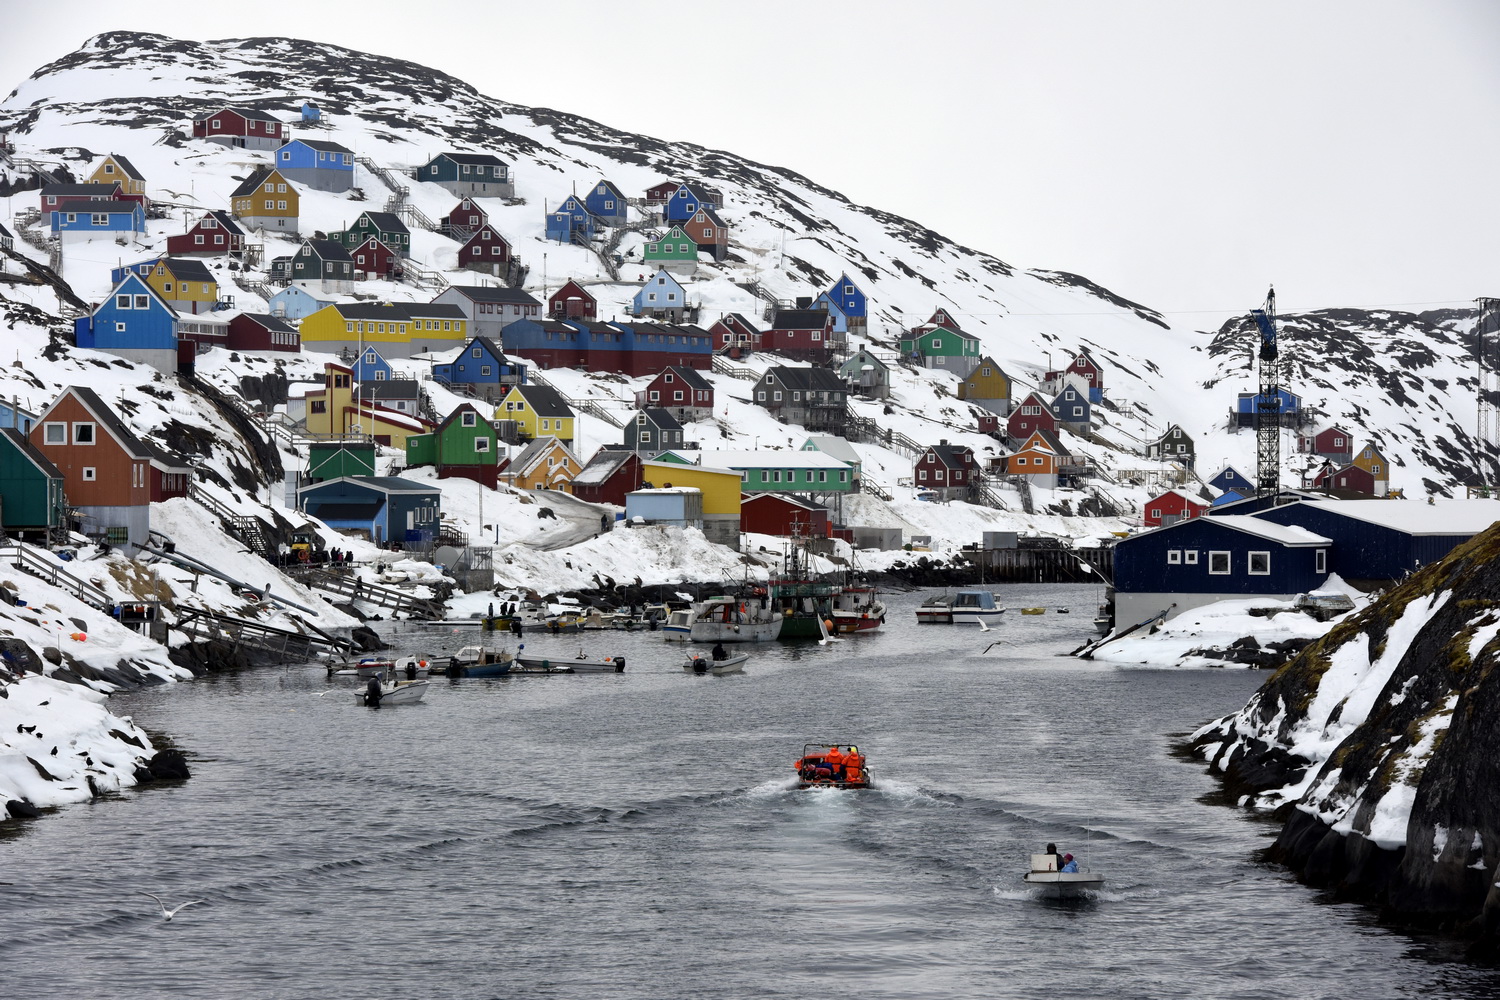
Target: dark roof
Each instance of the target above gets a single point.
(164, 459)
(951, 455)
(806, 378)
(480, 421)
(4, 231)
(661, 418)
(712, 216)
(490, 346)
(392, 484)
(390, 388)
(613, 190)
(249, 184)
(698, 191)
(472, 158)
(322, 144)
(227, 221)
(273, 323)
(32, 452)
(110, 420)
(1051, 440)
(329, 250)
(492, 293)
(128, 167)
(434, 310)
(347, 511)
(188, 269)
(260, 116)
(800, 319)
(690, 376)
(740, 320)
(80, 189)
(383, 311)
(545, 400)
(108, 207)
(386, 222)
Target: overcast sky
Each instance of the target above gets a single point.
(1183, 154)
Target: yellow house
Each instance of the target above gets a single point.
(396, 329)
(544, 464)
(334, 412)
(267, 200)
(1372, 461)
(117, 169)
(188, 284)
(720, 489)
(987, 386)
(538, 410)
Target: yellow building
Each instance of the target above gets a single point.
(117, 170)
(538, 410)
(720, 489)
(335, 412)
(188, 284)
(987, 386)
(267, 200)
(1372, 461)
(395, 329)
(544, 464)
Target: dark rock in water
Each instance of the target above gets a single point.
(367, 638)
(21, 809)
(169, 765)
(143, 775)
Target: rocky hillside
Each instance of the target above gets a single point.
(1378, 748)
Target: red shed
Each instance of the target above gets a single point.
(1173, 506)
(736, 334)
(1032, 415)
(486, 250)
(1348, 482)
(571, 301)
(461, 222)
(376, 259)
(681, 391)
(609, 475)
(259, 332)
(783, 514)
(660, 194)
(215, 233)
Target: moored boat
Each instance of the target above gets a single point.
(678, 626)
(730, 619)
(476, 661)
(832, 765)
(963, 607)
(699, 664)
(857, 609)
(390, 692)
(579, 664)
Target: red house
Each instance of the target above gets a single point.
(609, 475)
(660, 194)
(169, 476)
(1348, 482)
(784, 515)
(244, 127)
(486, 250)
(105, 467)
(988, 423)
(1173, 506)
(948, 468)
(571, 301)
(1082, 365)
(735, 334)
(682, 392)
(461, 222)
(943, 319)
(1032, 415)
(376, 259)
(803, 334)
(1332, 443)
(214, 234)
(259, 332)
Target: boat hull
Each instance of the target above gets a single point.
(403, 693)
(711, 631)
(676, 633)
(547, 664)
(1063, 885)
(706, 665)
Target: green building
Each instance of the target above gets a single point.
(336, 459)
(674, 251)
(785, 471)
(466, 446)
(31, 487)
(942, 347)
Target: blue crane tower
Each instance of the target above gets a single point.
(1268, 403)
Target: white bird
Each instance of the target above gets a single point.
(982, 626)
(169, 914)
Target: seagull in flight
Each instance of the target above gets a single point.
(169, 914)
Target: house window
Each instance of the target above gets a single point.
(1375, 469)
(83, 433)
(319, 406)
(90, 474)
(1259, 563)
(776, 475)
(760, 395)
(55, 433)
(1320, 561)
(1174, 557)
(777, 396)
(922, 475)
(100, 219)
(645, 435)
(122, 301)
(984, 372)
(481, 444)
(119, 328)
(269, 203)
(1190, 557)
(1338, 442)
(1218, 562)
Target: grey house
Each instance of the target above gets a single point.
(816, 398)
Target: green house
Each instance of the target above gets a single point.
(465, 446)
(942, 347)
(674, 251)
(336, 459)
(31, 487)
(785, 471)
(387, 227)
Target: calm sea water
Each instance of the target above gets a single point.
(635, 835)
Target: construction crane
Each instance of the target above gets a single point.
(1268, 402)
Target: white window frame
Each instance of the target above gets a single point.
(55, 432)
(1250, 559)
(1227, 561)
(1320, 561)
(1174, 557)
(1190, 557)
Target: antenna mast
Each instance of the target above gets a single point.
(1268, 402)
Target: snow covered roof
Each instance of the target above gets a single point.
(766, 459)
(605, 463)
(1441, 517)
(835, 446)
(1285, 534)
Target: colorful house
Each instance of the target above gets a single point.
(538, 410)
(489, 309)
(244, 128)
(942, 347)
(673, 252)
(115, 169)
(850, 300)
(1084, 366)
(486, 251)
(660, 194)
(133, 322)
(464, 445)
(1041, 457)
(295, 302)
(369, 366)
(373, 259)
(572, 301)
(380, 508)
(1071, 408)
(387, 227)
(265, 200)
(31, 488)
(1349, 482)
(1033, 414)
(785, 515)
(816, 398)
(404, 395)
(336, 459)
(653, 431)
(866, 375)
(685, 202)
(720, 489)
(214, 233)
(1173, 506)
(1173, 446)
(709, 232)
(1372, 461)
(318, 164)
(987, 386)
(105, 467)
(571, 222)
(64, 197)
(1230, 479)
(736, 335)
(468, 174)
(948, 469)
(94, 219)
(627, 348)
(681, 391)
(481, 370)
(259, 332)
(544, 464)
(396, 329)
(1287, 407)
(802, 334)
(462, 220)
(187, 284)
(1333, 443)
(608, 476)
(772, 471)
(840, 449)
(337, 411)
(662, 296)
(605, 203)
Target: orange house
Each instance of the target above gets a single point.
(106, 469)
(544, 464)
(1041, 456)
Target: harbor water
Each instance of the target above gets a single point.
(637, 835)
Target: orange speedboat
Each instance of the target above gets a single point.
(832, 765)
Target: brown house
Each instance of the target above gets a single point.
(106, 468)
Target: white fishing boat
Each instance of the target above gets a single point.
(730, 619)
(963, 607)
(699, 664)
(409, 668)
(679, 625)
(392, 692)
(1054, 884)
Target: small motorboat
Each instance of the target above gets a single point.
(410, 668)
(476, 661)
(678, 626)
(379, 692)
(1056, 884)
(965, 607)
(700, 664)
(580, 664)
(831, 765)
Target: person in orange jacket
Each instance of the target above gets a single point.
(836, 760)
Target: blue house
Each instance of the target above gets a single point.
(13, 416)
(295, 302)
(481, 369)
(142, 268)
(828, 305)
(310, 112)
(380, 508)
(134, 323)
(1202, 560)
(686, 201)
(570, 221)
(1229, 478)
(1289, 407)
(605, 202)
(1071, 408)
(96, 218)
(1228, 496)
(326, 166)
(661, 295)
(371, 367)
(850, 300)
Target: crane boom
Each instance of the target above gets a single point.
(1268, 402)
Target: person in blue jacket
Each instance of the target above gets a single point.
(1069, 865)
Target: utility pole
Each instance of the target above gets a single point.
(1268, 402)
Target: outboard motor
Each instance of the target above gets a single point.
(411, 670)
(700, 665)
(619, 664)
(372, 692)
